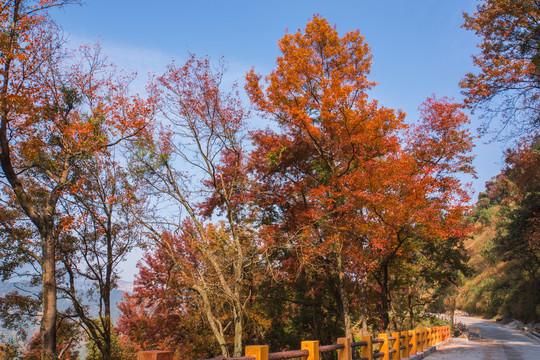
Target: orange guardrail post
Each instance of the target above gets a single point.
(412, 342)
(404, 342)
(367, 351)
(259, 352)
(395, 346)
(384, 346)
(420, 347)
(346, 353)
(445, 333)
(155, 355)
(312, 347)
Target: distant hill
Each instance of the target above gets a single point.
(116, 295)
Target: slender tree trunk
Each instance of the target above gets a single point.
(48, 322)
(364, 306)
(343, 296)
(384, 297)
(216, 330)
(107, 338)
(453, 317)
(411, 310)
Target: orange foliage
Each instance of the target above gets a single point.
(338, 168)
(348, 191)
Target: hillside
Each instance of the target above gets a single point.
(116, 296)
(497, 288)
(22, 287)
(505, 253)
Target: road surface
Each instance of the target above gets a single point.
(498, 342)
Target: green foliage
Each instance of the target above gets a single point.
(507, 280)
(431, 321)
(119, 350)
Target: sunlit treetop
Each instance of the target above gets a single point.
(507, 85)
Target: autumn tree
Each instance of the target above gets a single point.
(424, 195)
(507, 83)
(336, 184)
(332, 137)
(195, 165)
(166, 309)
(101, 236)
(57, 109)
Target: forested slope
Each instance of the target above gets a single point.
(505, 253)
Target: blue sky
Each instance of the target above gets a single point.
(418, 46)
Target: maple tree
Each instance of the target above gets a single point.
(175, 296)
(507, 84)
(336, 184)
(203, 127)
(332, 137)
(427, 198)
(57, 109)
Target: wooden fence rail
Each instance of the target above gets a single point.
(394, 346)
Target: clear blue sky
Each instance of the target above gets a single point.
(418, 46)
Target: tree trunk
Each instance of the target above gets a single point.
(411, 309)
(48, 321)
(363, 315)
(216, 330)
(343, 296)
(238, 328)
(107, 336)
(384, 298)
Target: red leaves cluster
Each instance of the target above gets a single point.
(165, 312)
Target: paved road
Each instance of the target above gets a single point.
(498, 343)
